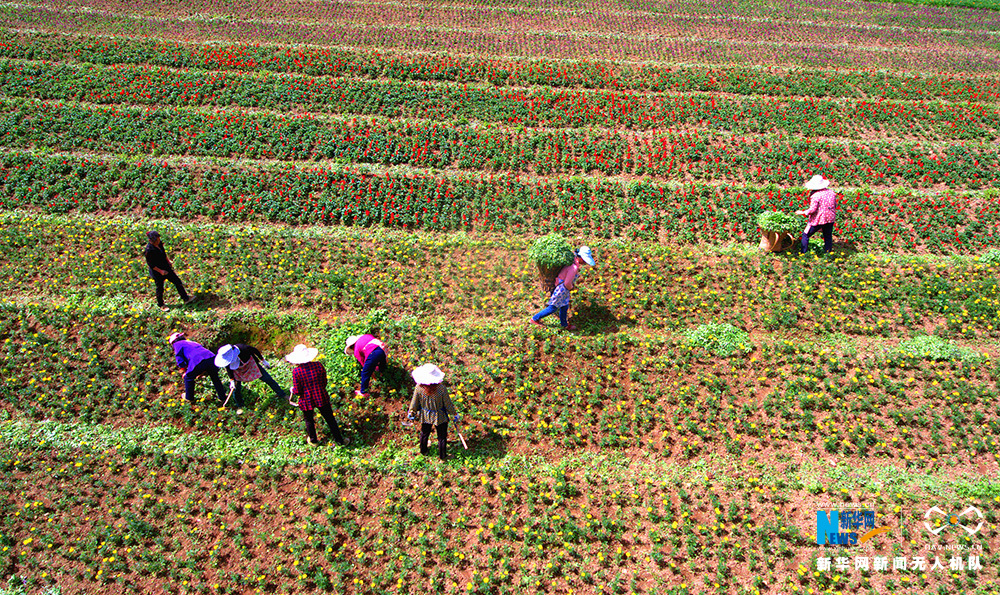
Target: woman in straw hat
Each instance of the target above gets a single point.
(430, 399)
(822, 212)
(309, 385)
(244, 363)
(370, 353)
(559, 301)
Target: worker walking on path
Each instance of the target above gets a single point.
(434, 406)
(565, 282)
(309, 386)
(198, 361)
(161, 270)
(244, 363)
(370, 353)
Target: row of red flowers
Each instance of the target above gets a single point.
(288, 194)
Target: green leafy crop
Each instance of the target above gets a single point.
(932, 347)
(778, 221)
(991, 256)
(551, 251)
(721, 339)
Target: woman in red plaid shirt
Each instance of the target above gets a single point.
(309, 385)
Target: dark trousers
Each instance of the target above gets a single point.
(327, 412)
(173, 278)
(205, 367)
(278, 391)
(375, 361)
(442, 435)
(826, 228)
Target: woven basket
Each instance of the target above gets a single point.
(547, 279)
(773, 241)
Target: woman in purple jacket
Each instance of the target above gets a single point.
(198, 361)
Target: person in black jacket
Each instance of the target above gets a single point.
(160, 269)
(244, 363)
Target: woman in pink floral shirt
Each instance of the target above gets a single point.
(822, 212)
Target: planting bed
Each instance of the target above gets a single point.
(322, 170)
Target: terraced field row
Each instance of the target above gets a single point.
(534, 107)
(242, 190)
(355, 526)
(707, 162)
(500, 71)
(900, 37)
(200, 490)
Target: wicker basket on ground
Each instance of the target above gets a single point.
(775, 241)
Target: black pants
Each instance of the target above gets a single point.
(205, 368)
(826, 228)
(442, 435)
(173, 278)
(327, 412)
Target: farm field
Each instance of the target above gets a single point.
(326, 169)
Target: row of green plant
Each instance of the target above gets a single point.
(743, 80)
(539, 106)
(696, 213)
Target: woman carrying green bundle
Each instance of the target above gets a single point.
(560, 298)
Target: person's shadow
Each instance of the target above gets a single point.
(488, 446)
(843, 248)
(203, 300)
(596, 319)
(396, 377)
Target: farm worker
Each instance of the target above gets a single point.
(431, 401)
(822, 212)
(160, 269)
(309, 385)
(559, 301)
(370, 353)
(244, 363)
(198, 361)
